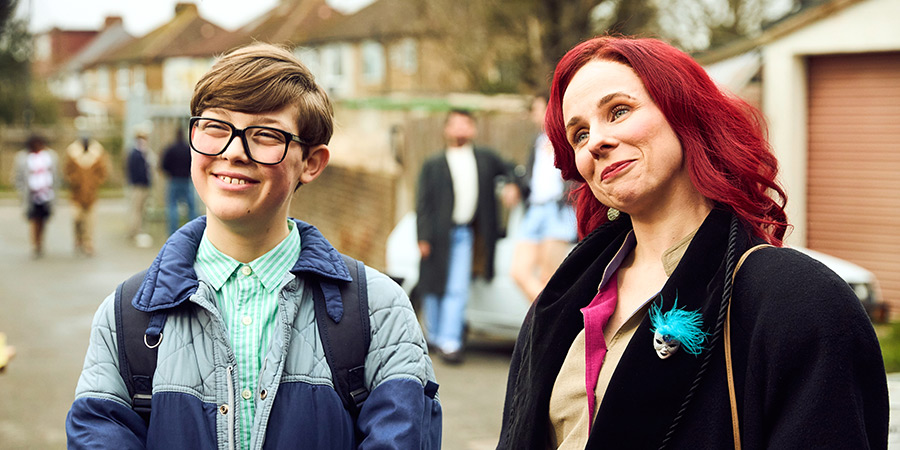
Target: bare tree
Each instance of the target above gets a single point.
(513, 45)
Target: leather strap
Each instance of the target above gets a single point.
(728, 370)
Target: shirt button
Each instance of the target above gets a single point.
(246, 270)
(247, 320)
(246, 394)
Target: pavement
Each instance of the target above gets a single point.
(46, 307)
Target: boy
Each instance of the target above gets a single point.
(241, 363)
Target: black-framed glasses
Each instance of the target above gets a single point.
(264, 145)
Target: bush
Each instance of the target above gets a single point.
(889, 338)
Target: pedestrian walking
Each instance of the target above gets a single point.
(37, 177)
(679, 321)
(7, 352)
(456, 208)
(85, 169)
(241, 361)
(176, 164)
(547, 230)
(140, 178)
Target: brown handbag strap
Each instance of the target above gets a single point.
(728, 370)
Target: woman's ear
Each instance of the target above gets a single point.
(316, 160)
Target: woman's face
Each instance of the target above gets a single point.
(624, 147)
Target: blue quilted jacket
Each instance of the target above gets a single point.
(194, 388)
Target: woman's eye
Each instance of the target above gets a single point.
(579, 138)
(619, 111)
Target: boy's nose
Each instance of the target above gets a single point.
(236, 150)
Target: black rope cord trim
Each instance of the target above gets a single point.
(720, 323)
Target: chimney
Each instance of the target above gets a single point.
(112, 21)
(185, 7)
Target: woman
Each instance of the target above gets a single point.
(601, 361)
(36, 180)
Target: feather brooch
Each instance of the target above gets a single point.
(675, 329)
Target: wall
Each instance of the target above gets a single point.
(864, 27)
(353, 209)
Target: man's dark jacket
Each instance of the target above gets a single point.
(434, 210)
(808, 368)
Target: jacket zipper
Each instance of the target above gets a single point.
(230, 384)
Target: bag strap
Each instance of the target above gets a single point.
(346, 343)
(732, 397)
(137, 344)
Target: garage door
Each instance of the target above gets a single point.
(854, 162)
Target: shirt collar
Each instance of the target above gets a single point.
(670, 258)
(269, 268)
(272, 266)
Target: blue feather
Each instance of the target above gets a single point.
(680, 325)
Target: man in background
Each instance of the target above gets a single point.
(86, 168)
(139, 180)
(176, 164)
(457, 229)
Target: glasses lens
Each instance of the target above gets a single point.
(267, 145)
(210, 136)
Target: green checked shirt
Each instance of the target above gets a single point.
(247, 297)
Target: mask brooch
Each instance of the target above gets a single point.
(676, 329)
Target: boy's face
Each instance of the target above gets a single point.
(239, 191)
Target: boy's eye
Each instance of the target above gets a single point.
(267, 137)
(213, 127)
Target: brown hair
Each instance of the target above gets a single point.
(262, 78)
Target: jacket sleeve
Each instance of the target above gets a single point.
(101, 416)
(815, 374)
(425, 203)
(403, 410)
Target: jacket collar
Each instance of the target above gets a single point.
(171, 278)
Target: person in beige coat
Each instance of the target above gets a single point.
(86, 168)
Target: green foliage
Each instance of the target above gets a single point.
(889, 338)
(21, 101)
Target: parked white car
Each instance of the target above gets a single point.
(497, 309)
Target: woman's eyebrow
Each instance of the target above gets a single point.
(602, 102)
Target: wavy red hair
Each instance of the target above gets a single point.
(723, 138)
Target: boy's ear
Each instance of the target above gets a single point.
(316, 161)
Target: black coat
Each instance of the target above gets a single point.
(434, 210)
(808, 368)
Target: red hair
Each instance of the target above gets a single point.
(722, 137)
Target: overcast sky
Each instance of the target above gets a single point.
(143, 16)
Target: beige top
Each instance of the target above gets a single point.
(568, 400)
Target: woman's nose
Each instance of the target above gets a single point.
(601, 142)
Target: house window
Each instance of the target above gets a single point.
(373, 62)
(337, 67)
(404, 56)
(140, 80)
(103, 82)
(310, 58)
(123, 83)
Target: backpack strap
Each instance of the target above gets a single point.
(138, 335)
(346, 343)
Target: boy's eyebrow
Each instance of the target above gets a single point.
(602, 102)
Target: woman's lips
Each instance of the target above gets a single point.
(615, 168)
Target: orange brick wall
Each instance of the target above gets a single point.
(353, 209)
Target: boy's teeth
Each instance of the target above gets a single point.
(230, 180)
